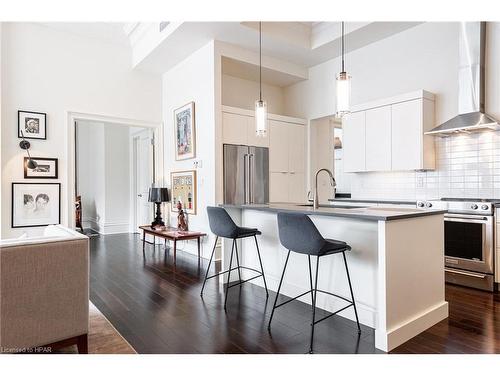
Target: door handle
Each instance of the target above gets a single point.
(139, 195)
(250, 179)
(245, 179)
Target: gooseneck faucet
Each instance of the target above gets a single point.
(332, 182)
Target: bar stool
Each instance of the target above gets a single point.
(298, 233)
(222, 225)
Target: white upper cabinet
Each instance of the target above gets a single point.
(388, 135)
(378, 139)
(354, 138)
(234, 128)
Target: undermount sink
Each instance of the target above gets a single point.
(330, 206)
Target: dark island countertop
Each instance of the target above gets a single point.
(352, 212)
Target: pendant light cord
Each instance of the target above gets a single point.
(260, 61)
(342, 42)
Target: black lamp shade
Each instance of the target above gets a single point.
(158, 195)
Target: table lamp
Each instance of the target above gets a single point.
(158, 195)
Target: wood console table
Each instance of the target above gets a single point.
(172, 234)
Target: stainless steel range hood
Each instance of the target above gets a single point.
(471, 84)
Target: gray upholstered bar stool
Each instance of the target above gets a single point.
(222, 225)
(298, 233)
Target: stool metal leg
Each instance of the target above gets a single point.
(352, 294)
(310, 278)
(314, 305)
(261, 268)
(278, 291)
(208, 268)
(229, 274)
(238, 260)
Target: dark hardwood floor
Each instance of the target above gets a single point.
(157, 308)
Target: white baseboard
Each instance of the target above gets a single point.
(409, 329)
(106, 227)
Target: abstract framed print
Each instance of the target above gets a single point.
(32, 124)
(35, 204)
(185, 134)
(46, 168)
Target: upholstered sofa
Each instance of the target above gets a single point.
(44, 291)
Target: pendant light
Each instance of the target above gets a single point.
(343, 83)
(260, 105)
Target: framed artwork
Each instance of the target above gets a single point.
(47, 168)
(35, 205)
(183, 187)
(185, 135)
(32, 124)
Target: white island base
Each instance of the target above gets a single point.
(396, 268)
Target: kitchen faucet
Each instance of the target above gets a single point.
(332, 182)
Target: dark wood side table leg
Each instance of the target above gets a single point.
(198, 239)
(175, 250)
(143, 241)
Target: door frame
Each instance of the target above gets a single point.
(69, 190)
(134, 142)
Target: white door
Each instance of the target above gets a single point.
(143, 171)
(278, 146)
(353, 126)
(378, 139)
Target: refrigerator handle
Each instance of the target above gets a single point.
(245, 179)
(250, 178)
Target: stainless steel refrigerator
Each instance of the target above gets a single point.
(246, 174)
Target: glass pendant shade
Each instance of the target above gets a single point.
(343, 94)
(261, 118)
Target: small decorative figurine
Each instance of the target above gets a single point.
(181, 218)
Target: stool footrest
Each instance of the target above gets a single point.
(334, 313)
(292, 299)
(234, 269)
(243, 281)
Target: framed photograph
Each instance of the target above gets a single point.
(47, 168)
(183, 187)
(35, 205)
(185, 135)
(32, 124)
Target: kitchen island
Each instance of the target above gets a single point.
(396, 264)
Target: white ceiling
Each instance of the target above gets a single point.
(302, 43)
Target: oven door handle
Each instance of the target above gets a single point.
(465, 273)
(453, 217)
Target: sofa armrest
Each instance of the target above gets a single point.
(44, 292)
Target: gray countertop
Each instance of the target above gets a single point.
(360, 213)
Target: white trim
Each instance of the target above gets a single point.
(68, 188)
(270, 116)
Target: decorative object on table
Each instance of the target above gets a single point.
(78, 213)
(343, 81)
(183, 185)
(158, 195)
(35, 205)
(185, 134)
(181, 218)
(32, 124)
(43, 168)
(25, 145)
(260, 105)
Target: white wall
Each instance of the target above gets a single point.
(51, 71)
(423, 57)
(193, 80)
(242, 93)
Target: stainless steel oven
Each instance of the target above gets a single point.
(469, 241)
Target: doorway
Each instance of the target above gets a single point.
(103, 173)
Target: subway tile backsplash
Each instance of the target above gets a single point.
(467, 166)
